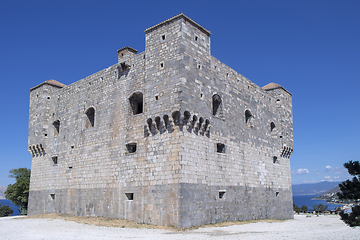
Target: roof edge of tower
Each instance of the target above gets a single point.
(272, 86)
(181, 15)
(51, 82)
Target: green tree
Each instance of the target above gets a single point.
(18, 192)
(296, 208)
(350, 189)
(320, 208)
(304, 208)
(5, 210)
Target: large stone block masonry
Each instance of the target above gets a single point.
(169, 136)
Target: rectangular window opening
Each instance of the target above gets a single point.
(131, 147)
(129, 196)
(222, 193)
(275, 159)
(52, 195)
(220, 148)
(163, 37)
(277, 194)
(55, 159)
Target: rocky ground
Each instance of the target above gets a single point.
(56, 227)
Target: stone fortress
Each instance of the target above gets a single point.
(169, 136)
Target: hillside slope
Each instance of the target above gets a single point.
(313, 188)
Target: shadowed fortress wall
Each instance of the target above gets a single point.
(169, 136)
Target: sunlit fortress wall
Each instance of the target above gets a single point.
(169, 136)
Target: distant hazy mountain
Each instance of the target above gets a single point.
(313, 188)
(2, 190)
(331, 197)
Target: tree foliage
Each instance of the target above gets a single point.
(350, 189)
(5, 210)
(304, 208)
(320, 208)
(18, 192)
(296, 208)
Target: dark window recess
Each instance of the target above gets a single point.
(124, 67)
(216, 105)
(131, 147)
(163, 37)
(275, 159)
(272, 126)
(130, 196)
(90, 120)
(52, 195)
(55, 159)
(196, 38)
(136, 103)
(70, 167)
(156, 97)
(222, 194)
(277, 194)
(56, 125)
(176, 117)
(248, 119)
(220, 148)
(161, 65)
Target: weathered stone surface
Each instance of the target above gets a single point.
(168, 136)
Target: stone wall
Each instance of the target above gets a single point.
(170, 136)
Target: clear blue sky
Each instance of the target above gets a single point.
(312, 48)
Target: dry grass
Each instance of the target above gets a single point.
(232, 223)
(100, 221)
(123, 223)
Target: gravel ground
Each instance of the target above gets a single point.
(302, 227)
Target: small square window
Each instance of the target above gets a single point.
(275, 159)
(222, 194)
(277, 194)
(196, 38)
(55, 159)
(129, 196)
(131, 147)
(161, 65)
(52, 195)
(163, 37)
(220, 148)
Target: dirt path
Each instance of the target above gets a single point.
(56, 227)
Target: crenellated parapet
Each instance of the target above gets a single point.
(185, 121)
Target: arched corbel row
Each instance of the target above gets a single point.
(37, 150)
(286, 152)
(186, 120)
